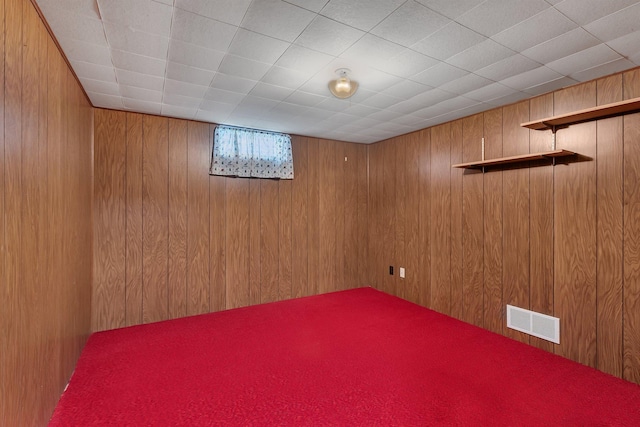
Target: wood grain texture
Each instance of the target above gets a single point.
(425, 218)
(300, 218)
(387, 226)
(610, 197)
(575, 231)
(178, 212)
(440, 237)
(327, 216)
(134, 224)
(155, 218)
(516, 221)
(109, 199)
(269, 241)
(237, 242)
(254, 241)
(201, 205)
(314, 216)
(541, 224)
(631, 314)
(457, 238)
(472, 223)
(413, 285)
(46, 219)
(362, 179)
(217, 290)
(350, 250)
(339, 255)
(284, 239)
(493, 225)
(399, 212)
(375, 217)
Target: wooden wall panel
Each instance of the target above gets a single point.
(415, 245)
(472, 223)
(541, 178)
(425, 218)
(269, 241)
(388, 215)
(398, 212)
(493, 225)
(46, 127)
(109, 200)
(327, 216)
(254, 240)
(377, 266)
(515, 274)
(237, 243)
(362, 180)
(155, 218)
(313, 227)
(340, 202)
(201, 284)
(350, 250)
(609, 243)
(457, 238)
(133, 211)
(300, 218)
(631, 316)
(178, 204)
(284, 239)
(575, 230)
(441, 218)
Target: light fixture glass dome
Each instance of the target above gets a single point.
(343, 87)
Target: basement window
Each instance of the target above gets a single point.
(242, 152)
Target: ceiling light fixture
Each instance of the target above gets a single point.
(343, 87)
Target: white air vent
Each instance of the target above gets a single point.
(532, 323)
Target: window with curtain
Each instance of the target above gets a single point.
(251, 153)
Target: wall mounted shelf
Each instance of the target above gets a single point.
(602, 111)
(515, 159)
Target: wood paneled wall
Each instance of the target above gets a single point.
(46, 218)
(563, 240)
(172, 241)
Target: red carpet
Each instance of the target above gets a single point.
(357, 357)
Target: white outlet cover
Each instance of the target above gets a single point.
(402, 272)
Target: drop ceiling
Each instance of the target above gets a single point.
(266, 64)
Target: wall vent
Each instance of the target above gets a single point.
(532, 323)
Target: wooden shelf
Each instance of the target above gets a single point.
(607, 110)
(515, 159)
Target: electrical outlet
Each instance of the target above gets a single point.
(402, 272)
(391, 270)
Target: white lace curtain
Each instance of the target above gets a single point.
(251, 153)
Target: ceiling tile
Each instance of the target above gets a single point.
(304, 60)
(141, 94)
(232, 83)
(88, 8)
(616, 25)
(451, 9)
(561, 46)
(360, 110)
(480, 55)
(76, 50)
(530, 78)
(361, 14)
(551, 86)
(615, 66)
(181, 101)
(489, 92)
(428, 98)
(285, 77)
(333, 104)
(184, 89)
(78, 27)
(142, 106)
(451, 39)
(407, 63)
(312, 5)
(224, 96)
(93, 71)
(493, 16)
(465, 84)
(228, 11)
(381, 100)
(539, 28)
(98, 86)
(304, 99)
(242, 67)
(213, 116)
(585, 11)
(194, 55)
(268, 91)
(409, 23)
(178, 112)
(406, 89)
(217, 107)
(628, 45)
(508, 67)
(276, 18)
(374, 80)
(184, 73)
(202, 31)
(105, 101)
(138, 63)
(124, 38)
(372, 50)
(439, 74)
(143, 15)
(145, 81)
(257, 47)
(585, 59)
(328, 36)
